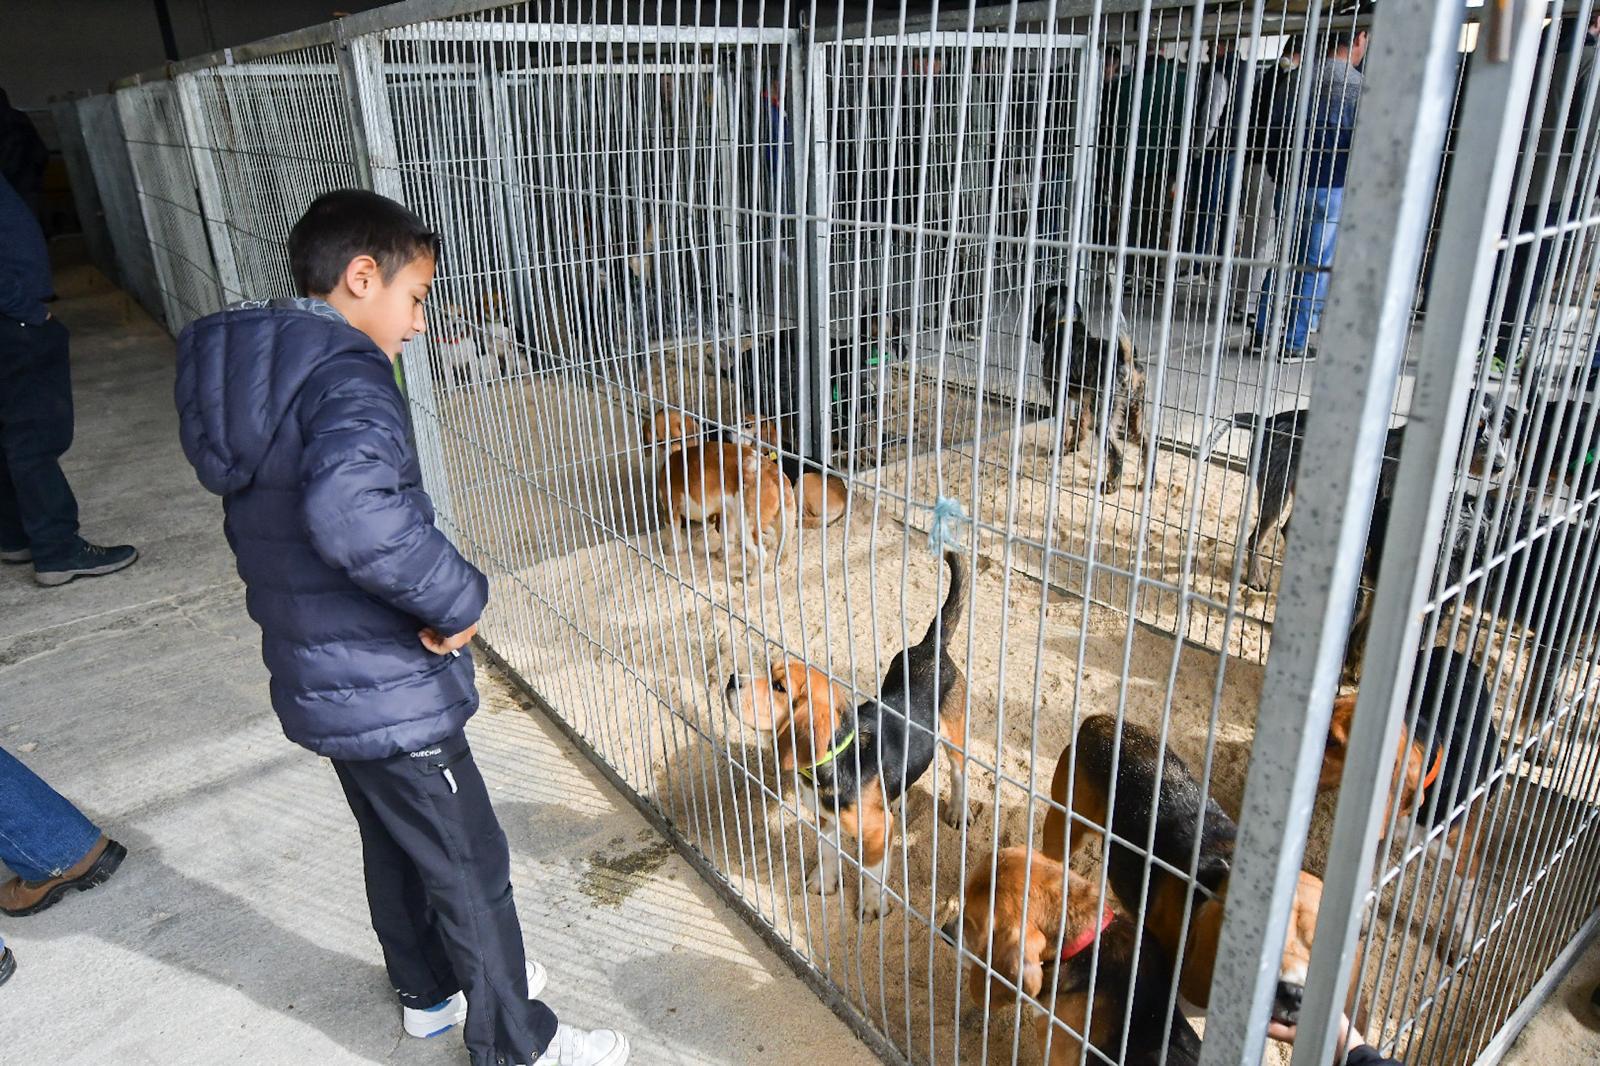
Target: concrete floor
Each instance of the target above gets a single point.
(237, 931)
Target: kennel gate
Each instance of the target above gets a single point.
(460, 109)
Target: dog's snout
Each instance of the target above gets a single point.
(733, 684)
(951, 930)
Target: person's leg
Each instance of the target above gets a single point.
(436, 808)
(1283, 213)
(42, 835)
(35, 431)
(405, 924)
(1319, 233)
(13, 537)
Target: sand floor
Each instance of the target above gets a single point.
(633, 643)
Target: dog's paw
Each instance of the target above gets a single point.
(818, 882)
(870, 906)
(957, 815)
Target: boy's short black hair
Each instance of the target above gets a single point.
(345, 223)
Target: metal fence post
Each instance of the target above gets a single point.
(378, 164)
(345, 58)
(817, 232)
(1496, 101)
(208, 186)
(1394, 163)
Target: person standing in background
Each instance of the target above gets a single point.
(1319, 198)
(38, 512)
(22, 154)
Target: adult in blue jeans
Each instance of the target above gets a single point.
(1317, 205)
(47, 843)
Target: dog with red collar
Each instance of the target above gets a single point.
(1074, 955)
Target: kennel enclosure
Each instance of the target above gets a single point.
(828, 243)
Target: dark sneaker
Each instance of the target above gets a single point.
(8, 965)
(90, 560)
(19, 898)
(1308, 354)
(16, 555)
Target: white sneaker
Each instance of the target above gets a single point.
(584, 1047)
(423, 1022)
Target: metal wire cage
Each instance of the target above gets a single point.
(755, 348)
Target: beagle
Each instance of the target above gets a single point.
(853, 763)
(1091, 955)
(1154, 783)
(1454, 750)
(669, 431)
(821, 497)
(712, 481)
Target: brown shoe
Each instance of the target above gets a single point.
(20, 898)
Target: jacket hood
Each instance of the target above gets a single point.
(239, 374)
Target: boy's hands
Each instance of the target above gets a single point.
(440, 644)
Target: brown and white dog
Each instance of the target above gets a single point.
(854, 762)
(821, 497)
(716, 482)
(1058, 939)
(1453, 751)
(668, 431)
(1152, 783)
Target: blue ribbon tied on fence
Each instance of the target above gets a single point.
(948, 518)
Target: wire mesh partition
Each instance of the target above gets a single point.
(759, 354)
(112, 174)
(268, 136)
(169, 199)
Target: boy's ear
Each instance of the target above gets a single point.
(361, 276)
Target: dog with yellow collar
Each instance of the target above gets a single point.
(1049, 935)
(853, 764)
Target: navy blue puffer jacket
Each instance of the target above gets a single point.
(293, 417)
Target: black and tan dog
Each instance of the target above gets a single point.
(1186, 818)
(1091, 365)
(1056, 942)
(1454, 750)
(854, 762)
(770, 378)
(1275, 455)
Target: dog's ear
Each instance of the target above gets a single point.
(1017, 957)
(1337, 746)
(791, 678)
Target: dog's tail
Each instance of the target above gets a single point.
(955, 601)
(1242, 420)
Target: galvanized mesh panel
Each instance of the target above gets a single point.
(112, 173)
(270, 136)
(158, 148)
(91, 216)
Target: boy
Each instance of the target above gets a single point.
(290, 412)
